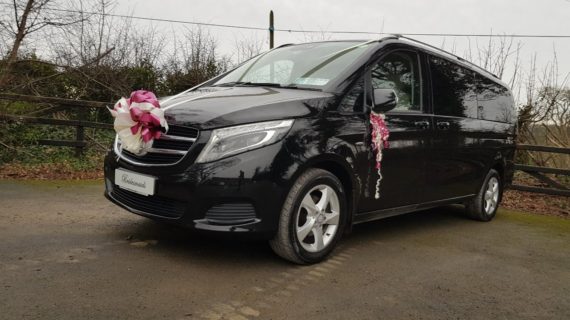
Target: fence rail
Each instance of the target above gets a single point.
(82, 106)
(555, 188)
(530, 147)
(52, 100)
(56, 122)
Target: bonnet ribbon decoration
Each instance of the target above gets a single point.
(138, 121)
(380, 135)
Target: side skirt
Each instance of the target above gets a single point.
(385, 213)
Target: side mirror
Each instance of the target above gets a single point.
(384, 100)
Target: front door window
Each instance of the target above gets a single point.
(400, 71)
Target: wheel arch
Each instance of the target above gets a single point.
(342, 169)
(499, 166)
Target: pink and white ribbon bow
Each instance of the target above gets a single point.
(380, 135)
(138, 121)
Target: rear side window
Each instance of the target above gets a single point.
(494, 102)
(400, 71)
(454, 89)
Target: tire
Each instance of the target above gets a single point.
(484, 206)
(310, 224)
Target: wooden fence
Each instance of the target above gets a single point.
(79, 143)
(555, 188)
(81, 107)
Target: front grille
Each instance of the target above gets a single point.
(170, 144)
(182, 131)
(231, 214)
(152, 157)
(167, 150)
(154, 205)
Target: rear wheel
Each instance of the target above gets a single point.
(312, 218)
(484, 206)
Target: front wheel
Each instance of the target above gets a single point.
(484, 206)
(312, 218)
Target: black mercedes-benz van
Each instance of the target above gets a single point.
(280, 146)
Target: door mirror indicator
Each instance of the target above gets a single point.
(384, 100)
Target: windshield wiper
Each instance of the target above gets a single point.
(248, 83)
(228, 84)
(260, 84)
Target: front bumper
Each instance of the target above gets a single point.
(239, 194)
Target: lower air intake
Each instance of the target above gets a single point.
(231, 214)
(154, 205)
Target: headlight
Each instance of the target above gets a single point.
(233, 140)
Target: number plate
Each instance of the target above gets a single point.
(135, 182)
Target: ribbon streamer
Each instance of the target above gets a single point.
(380, 135)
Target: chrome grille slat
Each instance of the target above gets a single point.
(176, 138)
(167, 151)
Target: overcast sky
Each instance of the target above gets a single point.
(413, 16)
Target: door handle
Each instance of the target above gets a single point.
(443, 125)
(422, 124)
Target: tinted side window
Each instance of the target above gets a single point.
(454, 89)
(400, 71)
(494, 101)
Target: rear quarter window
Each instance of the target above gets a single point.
(494, 101)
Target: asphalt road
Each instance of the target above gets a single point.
(67, 253)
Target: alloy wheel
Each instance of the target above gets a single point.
(491, 197)
(318, 218)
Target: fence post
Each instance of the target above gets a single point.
(79, 134)
(271, 29)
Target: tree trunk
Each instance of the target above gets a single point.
(20, 35)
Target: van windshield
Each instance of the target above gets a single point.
(311, 65)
